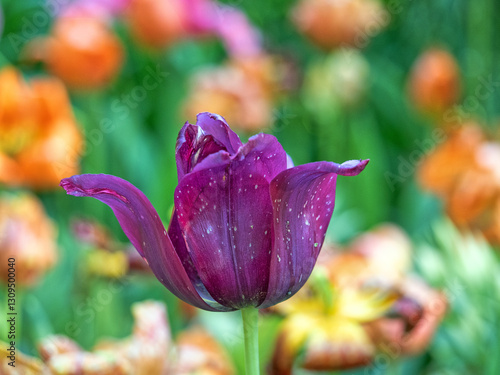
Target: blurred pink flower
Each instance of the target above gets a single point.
(170, 21)
(102, 9)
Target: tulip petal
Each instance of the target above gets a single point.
(193, 146)
(179, 244)
(143, 227)
(303, 200)
(210, 135)
(216, 126)
(225, 213)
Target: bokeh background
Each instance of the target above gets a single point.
(409, 282)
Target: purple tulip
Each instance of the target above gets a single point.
(247, 226)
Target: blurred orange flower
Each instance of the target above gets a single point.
(415, 318)
(442, 167)
(199, 353)
(386, 241)
(28, 236)
(463, 171)
(357, 303)
(39, 139)
(81, 50)
(434, 83)
(339, 23)
(155, 23)
(147, 351)
(242, 91)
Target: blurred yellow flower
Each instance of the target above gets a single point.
(108, 264)
(28, 236)
(104, 255)
(339, 23)
(81, 50)
(326, 324)
(358, 303)
(39, 140)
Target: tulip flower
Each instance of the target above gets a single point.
(434, 84)
(88, 63)
(28, 235)
(331, 24)
(247, 226)
(468, 185)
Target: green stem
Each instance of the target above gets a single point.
(250, 317)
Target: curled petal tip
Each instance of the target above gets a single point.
(352, 167)
(85, 186)
(70, 187)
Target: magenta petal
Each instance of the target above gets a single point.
(225, 213)
(179, 244)
(195, 143)
(193, 146)
(215, 125)
(144, 229)
(303, 200)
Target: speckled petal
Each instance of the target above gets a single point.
(210, 135)
(144, 229)
(216, 126)
(193, 146)
(303, 200)
(225, 213)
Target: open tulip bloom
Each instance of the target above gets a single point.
(247, 226)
